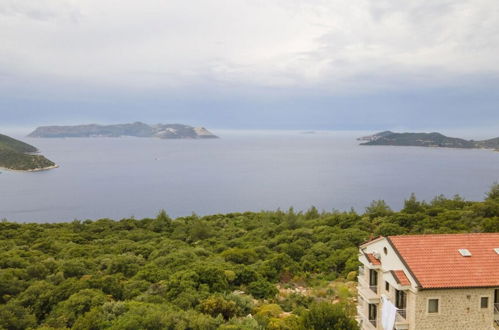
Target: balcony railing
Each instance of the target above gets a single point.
(496, 308)
(402, 313)
(373, 322)
(374, 288)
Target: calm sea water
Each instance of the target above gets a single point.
(123, 177)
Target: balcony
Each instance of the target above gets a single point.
(374, 288)
(364, 322)
(496, 308)
(367, 292)
(400, 320)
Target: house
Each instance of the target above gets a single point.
(438, 282)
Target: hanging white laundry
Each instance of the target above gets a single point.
(388, 313)
(384, 311)
(392, 314)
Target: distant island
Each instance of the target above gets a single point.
(137, 129)
(20, 156)
(388, 138)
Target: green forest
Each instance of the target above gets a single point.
(17, 155)
(254, 270)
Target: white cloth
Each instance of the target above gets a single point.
(388, 313)
(384, 311)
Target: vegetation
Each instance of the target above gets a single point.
(264, 270)
(17, 155)
(6, 142)
(426, 140)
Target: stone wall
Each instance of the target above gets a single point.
(459, 309)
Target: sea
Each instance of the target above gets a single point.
(242, 171)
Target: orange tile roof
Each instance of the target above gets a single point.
(435, 262)
(372, 240)
(400, 277)
(372, 259)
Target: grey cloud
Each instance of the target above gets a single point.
(241, 55)
(41, 10)
(291, 43)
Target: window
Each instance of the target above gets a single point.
(373, 280)
(401, 299)
(432, 305)
(465, 252)
(387, 286)
(484, 302)
(373, 277)
(373, 313)
(385, 250)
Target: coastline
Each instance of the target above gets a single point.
(31, 170)
(429, 147)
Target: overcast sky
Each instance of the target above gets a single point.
(287, 64)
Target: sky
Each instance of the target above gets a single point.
(252, 64)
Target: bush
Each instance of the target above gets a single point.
(217, 305)
(262, 289)
(325, 316)
(15, 317)
(240, 256)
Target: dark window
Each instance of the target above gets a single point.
(373, 313)
(496, 296)
(432, 305)
(387, 286)
(484, 302)
(373, 280)
(373, 277)
(400, 299)
(385, 250)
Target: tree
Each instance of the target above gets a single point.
(378, 208)
(240, 256)
(15, 317)
(325, 316)
(67, 312)
(491, 225)
(262, 289)
(162, 223)
(312, 213)
(493, 194)
(38, 298)
(217, 305)
(10, 284)
(291, 220)
(412, 205)
(133, 274)
(390, 229)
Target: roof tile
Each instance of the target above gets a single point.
(372, 259)
(401, 278)
(436, 262)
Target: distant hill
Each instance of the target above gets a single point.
(17, 155)
(434, 139)
(489, 144)
(375, 136)
(137, 129)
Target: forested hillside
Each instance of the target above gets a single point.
(6, 142)
(388, 138)
(265, 270)
(17, 155)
